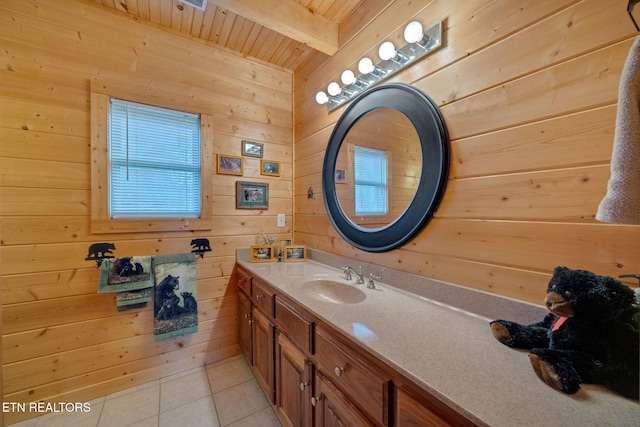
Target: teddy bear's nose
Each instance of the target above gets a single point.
(549, 303)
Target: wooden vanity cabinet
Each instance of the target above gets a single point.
(294, 384)
(333, 409)
(358, 377)
(315, 376)
(244, 325)
(256, 331)
(242, 279)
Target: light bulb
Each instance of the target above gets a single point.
(321, 98)
(365, 66)
(333, 89)
(348, 77)
(413, 32)
(387, 51)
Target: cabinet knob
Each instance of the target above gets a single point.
(240, 281)
(259, 296)
(315, 400)
(303, 386)
(338, 370)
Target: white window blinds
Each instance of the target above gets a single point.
(370, 175)
(154, 156)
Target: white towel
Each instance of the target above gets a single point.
(622, 202)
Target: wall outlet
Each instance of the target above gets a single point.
(281, 220)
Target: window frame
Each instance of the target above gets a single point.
(101, 222)
(384, 185)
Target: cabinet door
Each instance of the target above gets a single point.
(333, 409)
(411, 412)
(263, 352)
(293, 384)
(244, 325)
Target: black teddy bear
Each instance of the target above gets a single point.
(586, 337)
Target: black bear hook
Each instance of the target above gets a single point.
(200, 246)
(99, 251)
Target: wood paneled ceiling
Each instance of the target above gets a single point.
(281, 32)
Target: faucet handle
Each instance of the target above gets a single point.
(347, 272)
(371, 283)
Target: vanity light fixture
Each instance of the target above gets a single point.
(419, 43)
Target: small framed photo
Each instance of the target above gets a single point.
(230, 165)
(294, 253)
(270, 167)
(340, 176)
(262, 253)
(252, 195)
(252, 149)
(282, 243)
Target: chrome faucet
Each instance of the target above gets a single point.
(347, 274)
(371, 283)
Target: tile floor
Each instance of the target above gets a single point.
(217, 395)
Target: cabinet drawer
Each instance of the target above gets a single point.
(243, 280)
(366, 388)
(297, 326)
(263, 297)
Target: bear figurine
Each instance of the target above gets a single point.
(585, 338)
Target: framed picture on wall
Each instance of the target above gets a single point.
(252, 149)
(252, 195)
(270, 167)
(230, 165)
(295, 253)
(261, 253)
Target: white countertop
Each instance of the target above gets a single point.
(450, 353)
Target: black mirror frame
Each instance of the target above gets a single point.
(434, 141)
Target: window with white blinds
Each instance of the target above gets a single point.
(154, 157)
(370, 175)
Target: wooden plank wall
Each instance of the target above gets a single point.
(61, 340)
(528, 90)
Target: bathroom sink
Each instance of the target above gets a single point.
(333, 292)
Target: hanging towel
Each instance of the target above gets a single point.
(622, 202)
(129, 300)
(175, 298)
(125, 274)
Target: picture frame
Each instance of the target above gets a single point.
(252, 149)
(269, 167)
(295, 253)
(230, 165)
(340, 176)
(252, 195)
(261, 253)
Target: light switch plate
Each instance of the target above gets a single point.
(281, 220)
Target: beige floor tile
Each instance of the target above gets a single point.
(129, 408)
(264, 418)
(183, 389)
(225, 375)
(239, 402)
(200, 413)
(31, 422)
(149, 422)
(75, 418)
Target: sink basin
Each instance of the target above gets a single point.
(333, 292)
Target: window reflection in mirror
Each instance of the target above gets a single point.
(378, 168)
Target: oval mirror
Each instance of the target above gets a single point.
(386, 167)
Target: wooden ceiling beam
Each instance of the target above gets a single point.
(290, 19)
